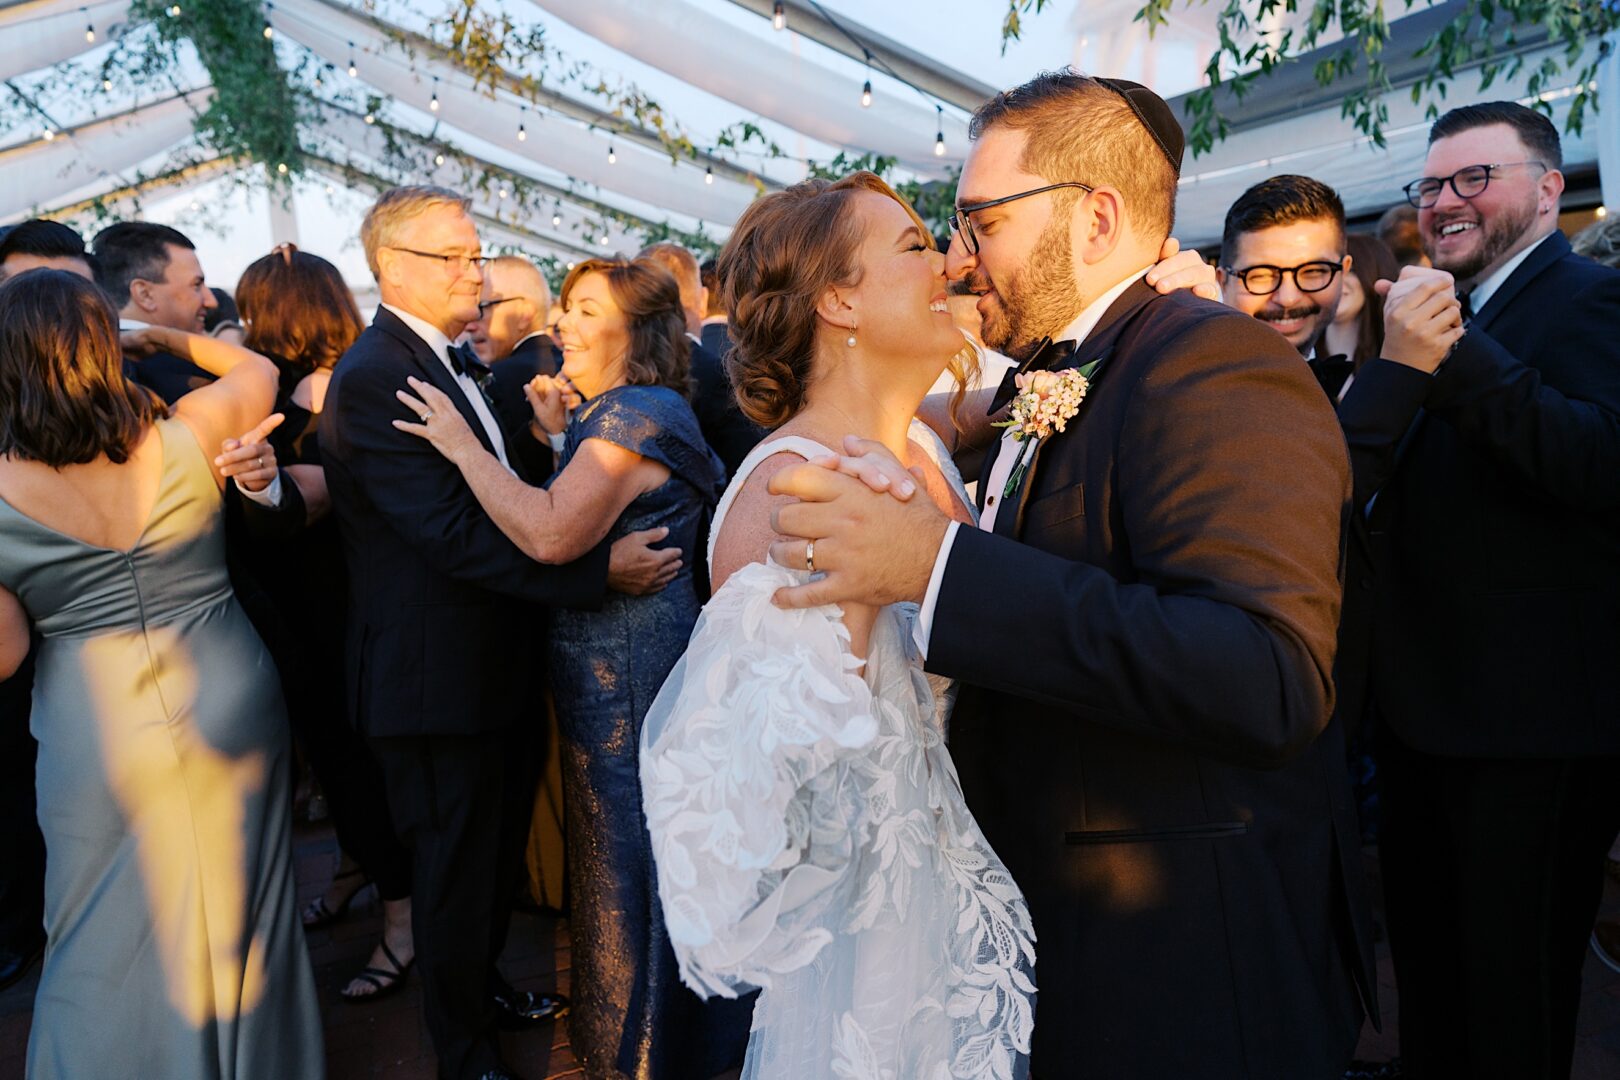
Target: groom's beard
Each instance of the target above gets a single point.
(1039, 300)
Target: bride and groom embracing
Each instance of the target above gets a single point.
(1140, 615)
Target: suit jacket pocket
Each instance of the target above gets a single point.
(1214, 830)
(1056, 507)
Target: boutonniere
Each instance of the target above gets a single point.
(1045, 403)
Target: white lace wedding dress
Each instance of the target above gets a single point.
(811, 839)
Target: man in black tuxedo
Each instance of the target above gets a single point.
(727, 431)
(510, 337)
(154, 278)
(446, 617)
(1283, 260)
(1144, 622)
(716, 330)
(1493, 480)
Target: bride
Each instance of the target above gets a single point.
(807, 824)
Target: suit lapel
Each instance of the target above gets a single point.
(430, 368)
(1098, 348)
(1549, 251)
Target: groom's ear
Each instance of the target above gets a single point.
(1101, 224)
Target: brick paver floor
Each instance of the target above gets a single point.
(388, 1040)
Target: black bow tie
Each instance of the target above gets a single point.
(1048, 355)
(463, 361)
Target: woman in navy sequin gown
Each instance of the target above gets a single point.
(632, 459)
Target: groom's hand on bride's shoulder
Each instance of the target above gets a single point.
(870, 546)
(1177, 269)
(873, 465)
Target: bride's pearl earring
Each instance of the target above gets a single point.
(850, 341)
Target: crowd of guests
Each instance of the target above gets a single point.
(430, 535)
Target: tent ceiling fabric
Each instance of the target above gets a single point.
(34, 39)
(42, 172)
(677, 37)
(551, 141)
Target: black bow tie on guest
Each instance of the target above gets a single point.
(1332, 372)
(1048, 355)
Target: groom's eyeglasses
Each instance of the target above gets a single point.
(962, 220)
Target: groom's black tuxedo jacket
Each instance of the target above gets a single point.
(1144, 735)
(445, 636)
(1495, 533)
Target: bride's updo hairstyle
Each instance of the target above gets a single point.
(788, 249)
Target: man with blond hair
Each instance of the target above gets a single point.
(443, 631)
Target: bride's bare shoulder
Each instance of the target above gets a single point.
(745, 532)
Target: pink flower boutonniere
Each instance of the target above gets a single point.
(1045, 403)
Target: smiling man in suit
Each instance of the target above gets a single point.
(446, 622)
(1493, 477)
(1144, 621)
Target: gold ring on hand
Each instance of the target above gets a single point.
(810, 555)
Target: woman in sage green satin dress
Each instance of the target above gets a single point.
(174, 945)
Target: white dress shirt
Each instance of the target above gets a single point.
(1077, 331)
(435, 340)
(1481, 294)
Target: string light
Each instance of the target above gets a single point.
(612, 157)
(939, 136)
(778, 16)
(708, 174)
(89, 29)
(433, 106)
(503, 191)
(438, 159)
(268, 32)
(1601, 213)
(50, 134)
(281, 168)
(866, 94)
(556, 216)
(353, 71)
(329, 190)
(371, 118)
(174, 11)
(106, 84)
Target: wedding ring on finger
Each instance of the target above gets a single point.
(259, 462)
(427, 414)
(810, 555)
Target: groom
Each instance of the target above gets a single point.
(1144, 621)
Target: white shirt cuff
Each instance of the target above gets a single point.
(924, 627)
(270, 496)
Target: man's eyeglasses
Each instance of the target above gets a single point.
(456, 264)
(1308, 277)
(485, 305)
(962, 220)
(1467, 182)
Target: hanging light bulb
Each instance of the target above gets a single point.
(604, 240)
(503, 191)
(106, 84)
(556, 219)
(268, 32)
(866, 94)
(50, 134)
(174, 11)
(371, 118)
(612, 157)
(1601, 212)
(522, 132)
(281, 168)
(353, 71)
(438, 159)
(708, 174)
(778, 16)
(433, 106)
(939, 136)
(89, 30)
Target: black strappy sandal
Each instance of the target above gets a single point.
(386, 982)
(316, 914)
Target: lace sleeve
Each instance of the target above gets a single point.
(751, 830)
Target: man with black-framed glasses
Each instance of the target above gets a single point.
(1283, 260)
(1490, 476)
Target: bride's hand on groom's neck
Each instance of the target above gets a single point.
(870, 546)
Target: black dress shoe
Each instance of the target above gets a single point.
(518, 1009)
(15, 963)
